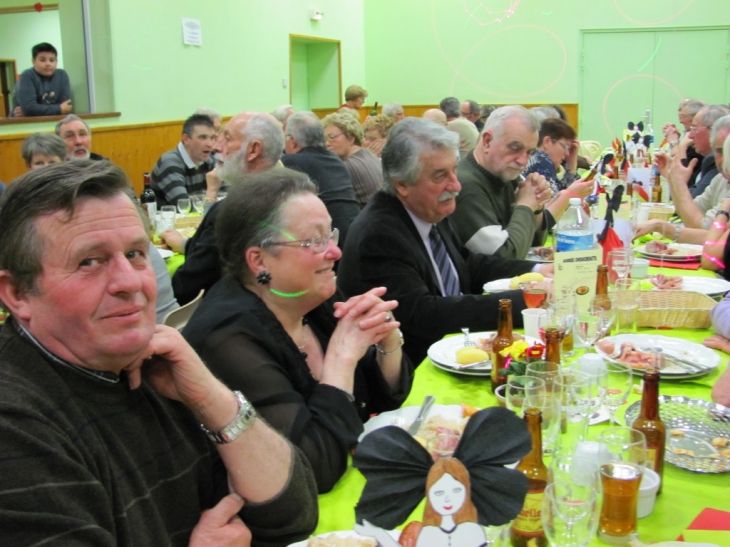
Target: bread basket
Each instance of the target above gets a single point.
(677, 309)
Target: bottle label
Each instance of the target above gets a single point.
(529, 521)
(574, 240)
(651, 458)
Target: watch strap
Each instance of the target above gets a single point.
(243, 420)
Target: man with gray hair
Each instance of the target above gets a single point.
(394, 110)
(213, 114)
(435, 115)
(282, 114)
(682, 145)
(252, 141)
(77, 134)
(467, 131)
(702, 210)
(470, 111)
(497, 212)
(403, 240)
(306, 152)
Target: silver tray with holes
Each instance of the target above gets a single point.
(699, 422)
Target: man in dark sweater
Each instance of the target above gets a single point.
(100, 409)
(305, 152)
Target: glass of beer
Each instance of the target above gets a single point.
(620, 481)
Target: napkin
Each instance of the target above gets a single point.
(677, 265)
(711, 525)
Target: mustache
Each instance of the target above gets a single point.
(448, 195)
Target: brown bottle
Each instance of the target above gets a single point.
(553, 337)
(601, 297)
(651, 425)
(527, 526)
(591, 174)
(656, 189)
(501, 341)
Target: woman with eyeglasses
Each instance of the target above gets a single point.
(315, 368)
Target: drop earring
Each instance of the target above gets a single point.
(263, 277)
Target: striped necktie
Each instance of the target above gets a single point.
(448, 276)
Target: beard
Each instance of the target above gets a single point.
(233, 166)
(86, 156)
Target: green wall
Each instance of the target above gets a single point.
(419, 51)
(19, 32)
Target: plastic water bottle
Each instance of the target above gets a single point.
(574, 229)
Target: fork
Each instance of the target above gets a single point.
(467, 341)
(688, 366)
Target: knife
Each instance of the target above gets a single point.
(422, 414)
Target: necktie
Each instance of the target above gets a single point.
(448, 276)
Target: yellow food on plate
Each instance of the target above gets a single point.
(468, 410)
(333, 540)
(524, 278)
(466, 356)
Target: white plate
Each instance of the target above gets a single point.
(678, 347)
(403, 417)
(686, 253)
(165, 253)
(344, 534)
(711, 286)
(497, 285)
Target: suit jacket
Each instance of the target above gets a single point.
(334, 184)
(385, 249)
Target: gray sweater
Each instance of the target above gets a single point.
(42, 96)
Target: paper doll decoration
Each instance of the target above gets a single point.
(470, 489)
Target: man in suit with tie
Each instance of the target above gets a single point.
(403, 240)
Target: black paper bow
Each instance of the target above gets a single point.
(396, 465)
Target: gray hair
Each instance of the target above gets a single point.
(251, 215)
(407, 142)
(499, 117)
(543, 113)
(305, 128)
(47, 144)
(212, 113)
(711, 116)
(391, 109)
(282, 112)
(693, 106)
(41, 192)
(726, 155)
(68, 119)
(451, 107)
(262, 127)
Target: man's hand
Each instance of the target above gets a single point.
(173, 239)
(66, 107)
(533, 192)
(213, 185)
(678, 173)
(547, 270)
(221, 526)
(376, 146)
(648, 227)
(671, 133)
(661, 162)
(18, 112)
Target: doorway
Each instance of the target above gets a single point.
(315, 79)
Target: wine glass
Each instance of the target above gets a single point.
(517, 390)
(534, 293)
(619, 380)
(622, 444)
(198, 202)
(609, 313)
(619, 262)
(564, 313)
(184, 206)
(569, 514)
(551, 320)
(548, 403)
(577, 396)
(588, 326)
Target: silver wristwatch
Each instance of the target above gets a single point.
(243, 420)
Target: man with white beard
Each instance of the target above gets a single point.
(251, 141)
(77, 134)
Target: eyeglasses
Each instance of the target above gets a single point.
(332, 137)
(695, 128)
(316, 244)
(566, 147)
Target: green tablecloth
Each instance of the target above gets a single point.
(684, 495)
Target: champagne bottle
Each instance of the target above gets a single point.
(527, 528)
(374, 111)
(147, 199)
(501, 341)
(651, 425)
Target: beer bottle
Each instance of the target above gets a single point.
(592, 173)
(527, 528)
(656, 189)
(651, 425)
(147, 199)
(601, 297)
(374, 111)
(552, 345)
(501, 341)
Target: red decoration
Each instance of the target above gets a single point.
(38, 7)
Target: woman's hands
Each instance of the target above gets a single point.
(648, 227)
(581, 188)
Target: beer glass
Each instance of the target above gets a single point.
(620, 481)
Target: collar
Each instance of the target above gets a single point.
(190, 164)
(423, 227)
(102, 375)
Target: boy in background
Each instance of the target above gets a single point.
(43, 90)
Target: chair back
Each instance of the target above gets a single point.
(178, 318)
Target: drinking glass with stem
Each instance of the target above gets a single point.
(184, 206)
(619, 379)
(609, 314)
(619, 262)
(569, 514)
(589, 325)
(519, 388)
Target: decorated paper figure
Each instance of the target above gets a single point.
(464, 493)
